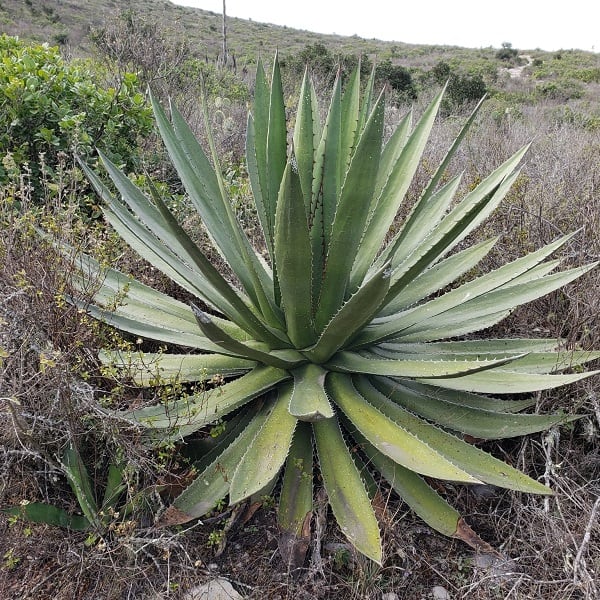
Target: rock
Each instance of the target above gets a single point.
(216, 589)
(440, 593)
(390, 596)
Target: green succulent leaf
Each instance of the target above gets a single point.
(309, 400)
(477, 422)
(267, 452)
(39, 512)
(389, 437)
(296, 499)
(293, 255)
(148, 368)
(346, 491)
(202, 408)
(477, 463)
(213, 483)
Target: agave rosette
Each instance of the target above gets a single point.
(334, 342)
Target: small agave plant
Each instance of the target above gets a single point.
(343, 345)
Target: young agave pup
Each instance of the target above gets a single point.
(333, 346)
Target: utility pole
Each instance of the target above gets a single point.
(224, 57)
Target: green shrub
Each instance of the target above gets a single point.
(51, 107)
(346, 339)
(507, 52)
(397, 77)
(462, 87)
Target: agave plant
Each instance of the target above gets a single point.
(331, 337)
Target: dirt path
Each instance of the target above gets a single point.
(517, 72)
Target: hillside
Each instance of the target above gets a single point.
(69, 22)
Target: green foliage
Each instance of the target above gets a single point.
(398, 78)
(507, 52)
(95, 517)
(51, 108)
(336, 340)
(323, 62)
(461, 87)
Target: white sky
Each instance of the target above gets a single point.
(526, 24)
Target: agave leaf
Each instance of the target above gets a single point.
(458, 310)
(398, 181)
(352, 362)
(421, 498)
(164, 226)
(296, 491)
(39, 512)
(346, 491)
(389, 158)
(309, 400)
(296, 498)
(438, 276)
(351, 317)
(536, 362)
(206, 451)
(276, 151)
(477, 422)
(434, 210)
(425, 501)
(267, 452)
(460, 398)
(200, 409)
(417, 226)
(141, 240)
(304, 140)
(443, 331)
(390, 437)
(473, 209)
(148, 368)
(129, 297)
(141, 328)
(501, 381)
(283, 359)
(80, 482)
(505, 298)
(476, 347)
(114, 486)
(325, 188)
(212, 484)
(474, 461)
(550, 362)
(350, 120)
(215, 209)
(350, 217)
(144, 242)
(293, 257)
(256, 151)
(471, 290)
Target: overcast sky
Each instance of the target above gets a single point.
(526, 24)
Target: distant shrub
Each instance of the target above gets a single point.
(462, 87)
(441, 72)
(397, 77)
(507, 52)
(560, 89)
(50, 107)
(323, 63)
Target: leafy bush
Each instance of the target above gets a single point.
(50, 107)
(323, 63)
(507, 52)
(335, 341)
(398, 78)
(461, 87)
